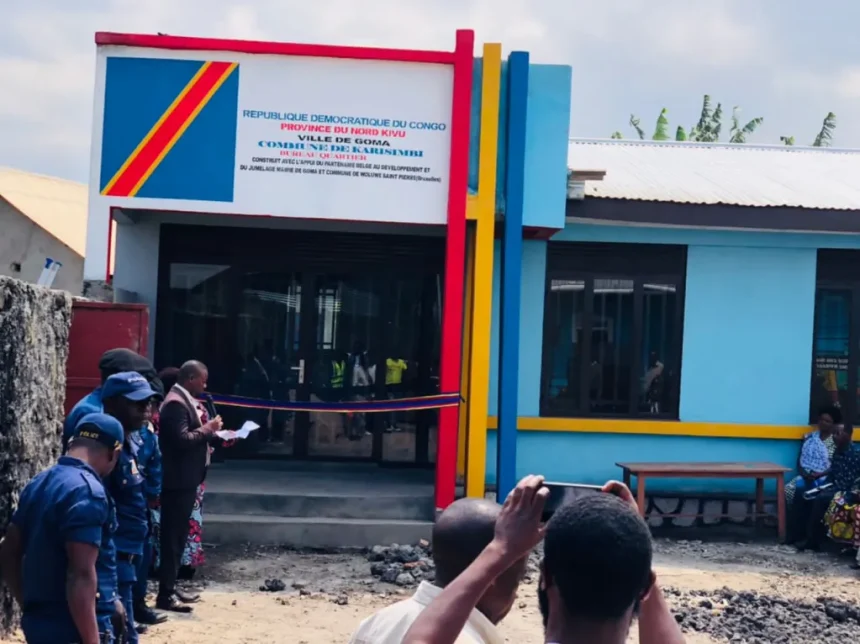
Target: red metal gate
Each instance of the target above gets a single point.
(97, 327)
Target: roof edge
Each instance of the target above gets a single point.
(769, 147)
(40, 227)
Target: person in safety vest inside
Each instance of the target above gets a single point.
(394, 368)
(58, 557)
(127, 397)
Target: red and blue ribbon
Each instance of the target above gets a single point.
(417, 403)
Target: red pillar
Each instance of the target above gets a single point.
(455, 261)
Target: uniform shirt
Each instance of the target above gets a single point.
(126, 486)
(148, 459)
(64, 504)
(846, 468)
(389, 625)
(89, 404)
(394, 371)
(106, 566)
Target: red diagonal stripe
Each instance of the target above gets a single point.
(147, 156)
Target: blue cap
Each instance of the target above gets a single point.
(105, 429)
(128, 384)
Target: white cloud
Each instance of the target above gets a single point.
(848, 82)
(708, 34)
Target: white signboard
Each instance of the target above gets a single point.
(345, 139)
(285, 136)
(354, 140)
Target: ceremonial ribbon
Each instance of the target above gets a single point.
(417, 403)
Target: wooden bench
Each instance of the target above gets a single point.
(736, 470)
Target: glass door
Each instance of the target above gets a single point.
(270, 364)
(308, 316)
(373, 337)
(343, 363)
(412, 337)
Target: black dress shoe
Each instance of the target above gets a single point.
(187, 598)
(141, 628)
(172, 603)
(145, 615)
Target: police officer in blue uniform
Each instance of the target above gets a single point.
(57, 557)
(126, 396)
(149, 463)
(112, 361)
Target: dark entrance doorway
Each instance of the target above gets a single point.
(308, 316)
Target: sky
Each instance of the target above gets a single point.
(789, 61)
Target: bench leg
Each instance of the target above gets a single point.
(627, 478)
(780, 506)
(640, 495)
(759, 501)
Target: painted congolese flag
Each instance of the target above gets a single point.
(169, 129)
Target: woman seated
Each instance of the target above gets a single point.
(843, 520)
(816, 451)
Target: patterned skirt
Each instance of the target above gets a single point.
(192, 556)
(843, 519)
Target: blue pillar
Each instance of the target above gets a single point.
(511, 274)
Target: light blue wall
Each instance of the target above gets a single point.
(547, 130)
(748, 324)
(591, 458)
(747, 352)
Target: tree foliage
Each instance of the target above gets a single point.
(825, 135)
(709, 127)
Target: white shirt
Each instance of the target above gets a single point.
(389, 626)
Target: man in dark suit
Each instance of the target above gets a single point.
(185, 434)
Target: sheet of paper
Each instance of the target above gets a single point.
(243, 432)
(247, 427)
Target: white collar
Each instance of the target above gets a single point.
(478, 622)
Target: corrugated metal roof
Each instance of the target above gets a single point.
(56, 205)
(702, 173)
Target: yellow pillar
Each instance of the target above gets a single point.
(482, 292)
(467, 345)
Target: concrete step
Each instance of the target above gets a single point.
(302, 532)
(330, 505)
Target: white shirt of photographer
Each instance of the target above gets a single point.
(389, 626)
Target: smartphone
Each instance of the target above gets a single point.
(563, 493)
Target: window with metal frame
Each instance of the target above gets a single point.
(613, 322)
(836, 335)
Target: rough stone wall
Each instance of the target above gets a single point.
(34, 347)
(98, 290)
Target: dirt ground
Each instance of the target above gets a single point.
(776, 595)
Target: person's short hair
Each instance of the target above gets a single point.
(833, 411)
(597, 553)
(460, 534)
(190, 370)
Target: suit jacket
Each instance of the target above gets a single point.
(184, 448)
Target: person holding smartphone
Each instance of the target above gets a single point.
(596, 576)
